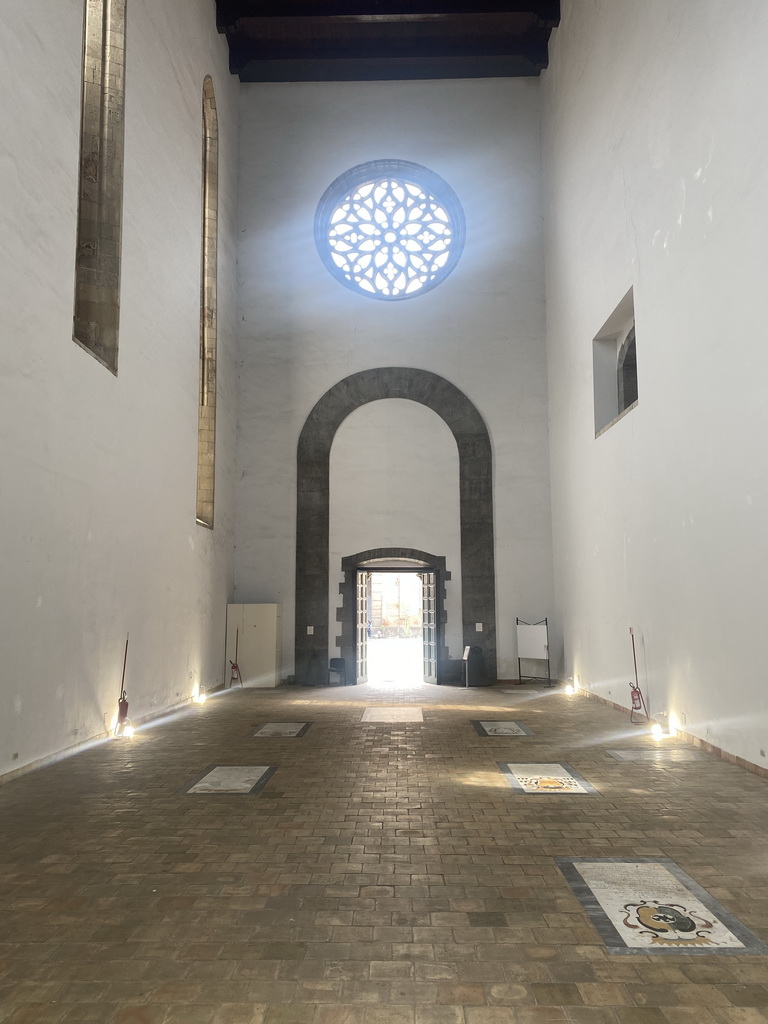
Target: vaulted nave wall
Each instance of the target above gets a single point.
(301, 332)
(655, 153)
(654, 161)
(98, 472)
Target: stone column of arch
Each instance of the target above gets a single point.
(313, 508)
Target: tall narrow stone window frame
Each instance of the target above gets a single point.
(100, 186)
(206, 434)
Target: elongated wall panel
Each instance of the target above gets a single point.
(206, 440)
(100, 196)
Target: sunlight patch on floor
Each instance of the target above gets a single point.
(395, 662)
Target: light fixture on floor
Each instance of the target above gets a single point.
(660, 727)
(200, 697)
(572, 685)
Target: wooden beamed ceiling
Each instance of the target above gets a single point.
(375, 40)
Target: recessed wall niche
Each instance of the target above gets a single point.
(614, 365)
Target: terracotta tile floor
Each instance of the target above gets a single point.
(386, 874)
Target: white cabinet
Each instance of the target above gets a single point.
(254, 640)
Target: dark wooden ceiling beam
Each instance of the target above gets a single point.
(475, 24)
(547, 12)
(511, 29)
(530, 45)
(536, 54)
(323, 40)
(392, 69)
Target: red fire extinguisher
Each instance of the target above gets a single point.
(234, 674)
(122, 709)
(122, 703)
(638, 701)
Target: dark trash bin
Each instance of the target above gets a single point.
(337, 672)
(314, 670)
(475, 673)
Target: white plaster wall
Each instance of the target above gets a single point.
(656, 152)
(98, 472)
(395, 483)
(482, 329)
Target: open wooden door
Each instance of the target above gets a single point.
(429, 625)
(361, 658)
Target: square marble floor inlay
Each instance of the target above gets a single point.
(401, 714)
(545, 778)
(283, 729)
(501, 729)
(669, 755)
(231, 778)
(650, 905)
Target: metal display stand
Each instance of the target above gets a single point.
(533, 645)
(473, 667)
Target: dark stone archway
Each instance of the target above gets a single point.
(312, 505)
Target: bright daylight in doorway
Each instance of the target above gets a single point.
(395, 628)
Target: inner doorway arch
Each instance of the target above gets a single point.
(313, 506)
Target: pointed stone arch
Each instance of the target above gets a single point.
(313, 507)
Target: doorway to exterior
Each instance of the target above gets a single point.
(396, 644)
(392, 616)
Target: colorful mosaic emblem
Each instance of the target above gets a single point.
(501, 729)
(545, 778)
(676, 925)
(651, 905)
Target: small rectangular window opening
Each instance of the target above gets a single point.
(614, 365)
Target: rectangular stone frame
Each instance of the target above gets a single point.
(206, 427)
(100, 187)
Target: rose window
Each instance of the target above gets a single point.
(389, 229)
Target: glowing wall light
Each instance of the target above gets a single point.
(660, 728)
